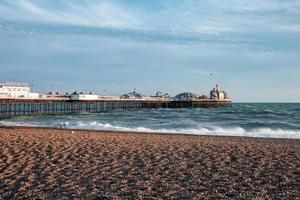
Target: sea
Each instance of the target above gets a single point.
(268, 120)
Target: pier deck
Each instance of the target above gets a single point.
(30, 107)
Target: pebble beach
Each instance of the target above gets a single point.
(49, 163)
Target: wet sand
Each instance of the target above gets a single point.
(56, 164)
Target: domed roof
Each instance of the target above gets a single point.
(132, 95)
(186, 96)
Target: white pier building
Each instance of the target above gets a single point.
(16, 91)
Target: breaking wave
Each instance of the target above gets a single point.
(217, 131)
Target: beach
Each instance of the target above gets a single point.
(49, 163)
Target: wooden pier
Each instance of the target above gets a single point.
(29, 107)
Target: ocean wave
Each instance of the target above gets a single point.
(217, 131)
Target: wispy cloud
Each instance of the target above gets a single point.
(86, 13)
(263, 6)
(234, 24)
(207, 16)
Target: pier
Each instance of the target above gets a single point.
(16, 99)
(32, 107)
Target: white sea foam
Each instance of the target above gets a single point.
(220, 131)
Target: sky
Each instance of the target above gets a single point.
(251, 47)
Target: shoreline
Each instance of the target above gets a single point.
(140, 132)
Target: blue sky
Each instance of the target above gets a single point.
(252, 47)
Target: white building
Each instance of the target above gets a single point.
(217, 94)
(222, 95)
(83, 96)
(109, 98)
(16, 91)
(32, 95)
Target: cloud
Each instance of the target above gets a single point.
(197, 17)
(265, 27)
(86, 13)
(263, 6)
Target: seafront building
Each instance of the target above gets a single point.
(17, 91)
(83, 96)
(217, 94)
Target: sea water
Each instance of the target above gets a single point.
(274, 120)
